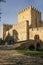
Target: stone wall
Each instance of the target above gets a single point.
(34, 32)
(5, 28)
(35, 17)
(21, 29)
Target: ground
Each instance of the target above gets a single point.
(13, 57)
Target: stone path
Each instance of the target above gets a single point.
(12, 57)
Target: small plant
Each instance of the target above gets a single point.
(2, 42)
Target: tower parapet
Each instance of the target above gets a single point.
(29, 8)
(24, 10)
(5, 28)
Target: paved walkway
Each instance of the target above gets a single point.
(12, 57)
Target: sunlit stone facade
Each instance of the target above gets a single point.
(29, 24)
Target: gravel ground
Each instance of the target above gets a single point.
(12, 57)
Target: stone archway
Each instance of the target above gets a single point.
(36, 37)
(31, 47)
(37, 46)
(37, 42)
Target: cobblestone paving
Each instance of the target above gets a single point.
(11, 57)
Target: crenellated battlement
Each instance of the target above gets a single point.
(7, 26)
(30, 7)
(35, 9)
(24, 10)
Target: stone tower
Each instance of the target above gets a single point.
(25, 15)
(32, 15)
(35, 17)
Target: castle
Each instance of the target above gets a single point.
(29, 25)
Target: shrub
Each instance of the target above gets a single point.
(2, 42)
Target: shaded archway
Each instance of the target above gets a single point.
(36, 37)
(31, 47)
(9, 39)
(38, 42)
(37, 46)
(15, 35)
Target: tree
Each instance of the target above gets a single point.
(9, 39)
(0, 7)
(2, 1)
(2, 42)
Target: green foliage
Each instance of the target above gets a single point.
(2, 0)
(9, 39)
(2, 42)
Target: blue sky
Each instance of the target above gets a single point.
(11, 8)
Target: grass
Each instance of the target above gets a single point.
(32, 53)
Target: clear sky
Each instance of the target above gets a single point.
(11, 8)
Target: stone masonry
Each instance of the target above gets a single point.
(29, 24)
